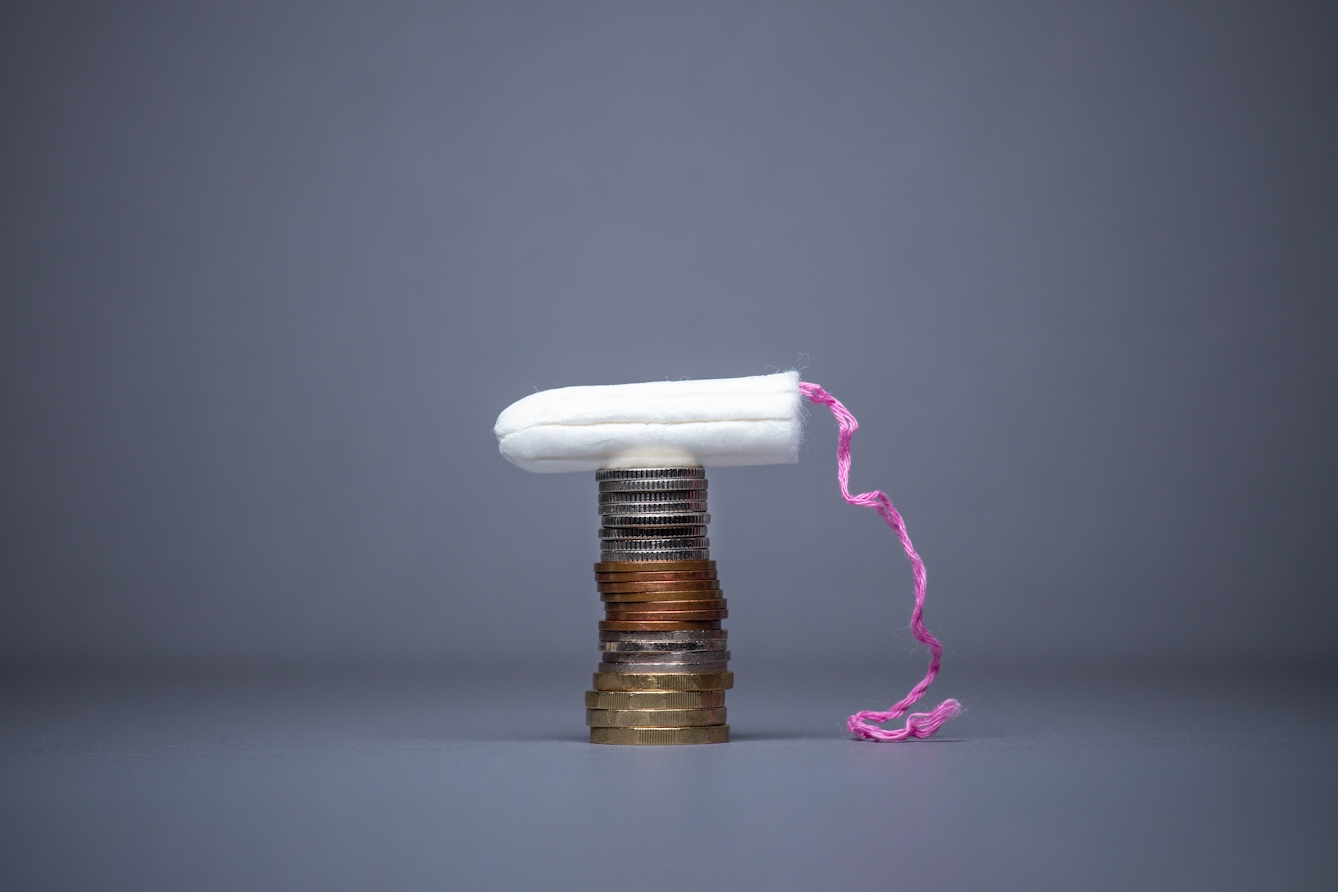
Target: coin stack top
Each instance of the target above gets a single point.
(664, 667)
(653, 514)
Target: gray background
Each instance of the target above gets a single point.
(270, 271)
(274, 614)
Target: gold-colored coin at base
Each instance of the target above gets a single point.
(660, 736)
(654, 718)
(650, 566)
(672, 585)
(608, 625)
(654, 699)
(664, 681)
(674, 595)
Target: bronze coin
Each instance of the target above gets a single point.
(655, 576)
(664, 606)
(626, 626)
(668, 616)
(651, 566)
(640, 597)
(675, 585)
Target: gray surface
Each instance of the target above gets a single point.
(1173, 779)
(269, 271)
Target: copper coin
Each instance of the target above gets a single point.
(609, 588)
(664, 606)
(655, 576)
(626, 626)
(651, 580)
(684, 616)
(650, 566)
(668, 616)
(673, 585)
(638, 597)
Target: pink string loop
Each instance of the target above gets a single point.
(861, 724)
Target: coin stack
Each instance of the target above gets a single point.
(664, 669)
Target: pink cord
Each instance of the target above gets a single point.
(918, 724)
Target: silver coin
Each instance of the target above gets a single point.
(679, 485)
(635, 557)
(642, 646)
(627, 509)
(661, 668)
(635, 509)
(676, 635)
(623, 555)
(629, 557)
(648, 544)
(654, 543)
(648, 473)
(653, 495)
(641, 508)
(637, 533)
(629, 518)
(706, 656)
(659, 659)
(656, 520)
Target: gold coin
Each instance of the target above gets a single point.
(660, 736)
(660, 596)
(664, 681)
(617, 625)
(654, 718)
(650, 566)
(654, 699)
(673, 585)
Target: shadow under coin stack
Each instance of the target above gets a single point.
(664, 669)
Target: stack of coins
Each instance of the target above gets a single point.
(664, 668)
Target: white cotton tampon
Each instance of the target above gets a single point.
(715, 423)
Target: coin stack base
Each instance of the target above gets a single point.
(663, 673)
